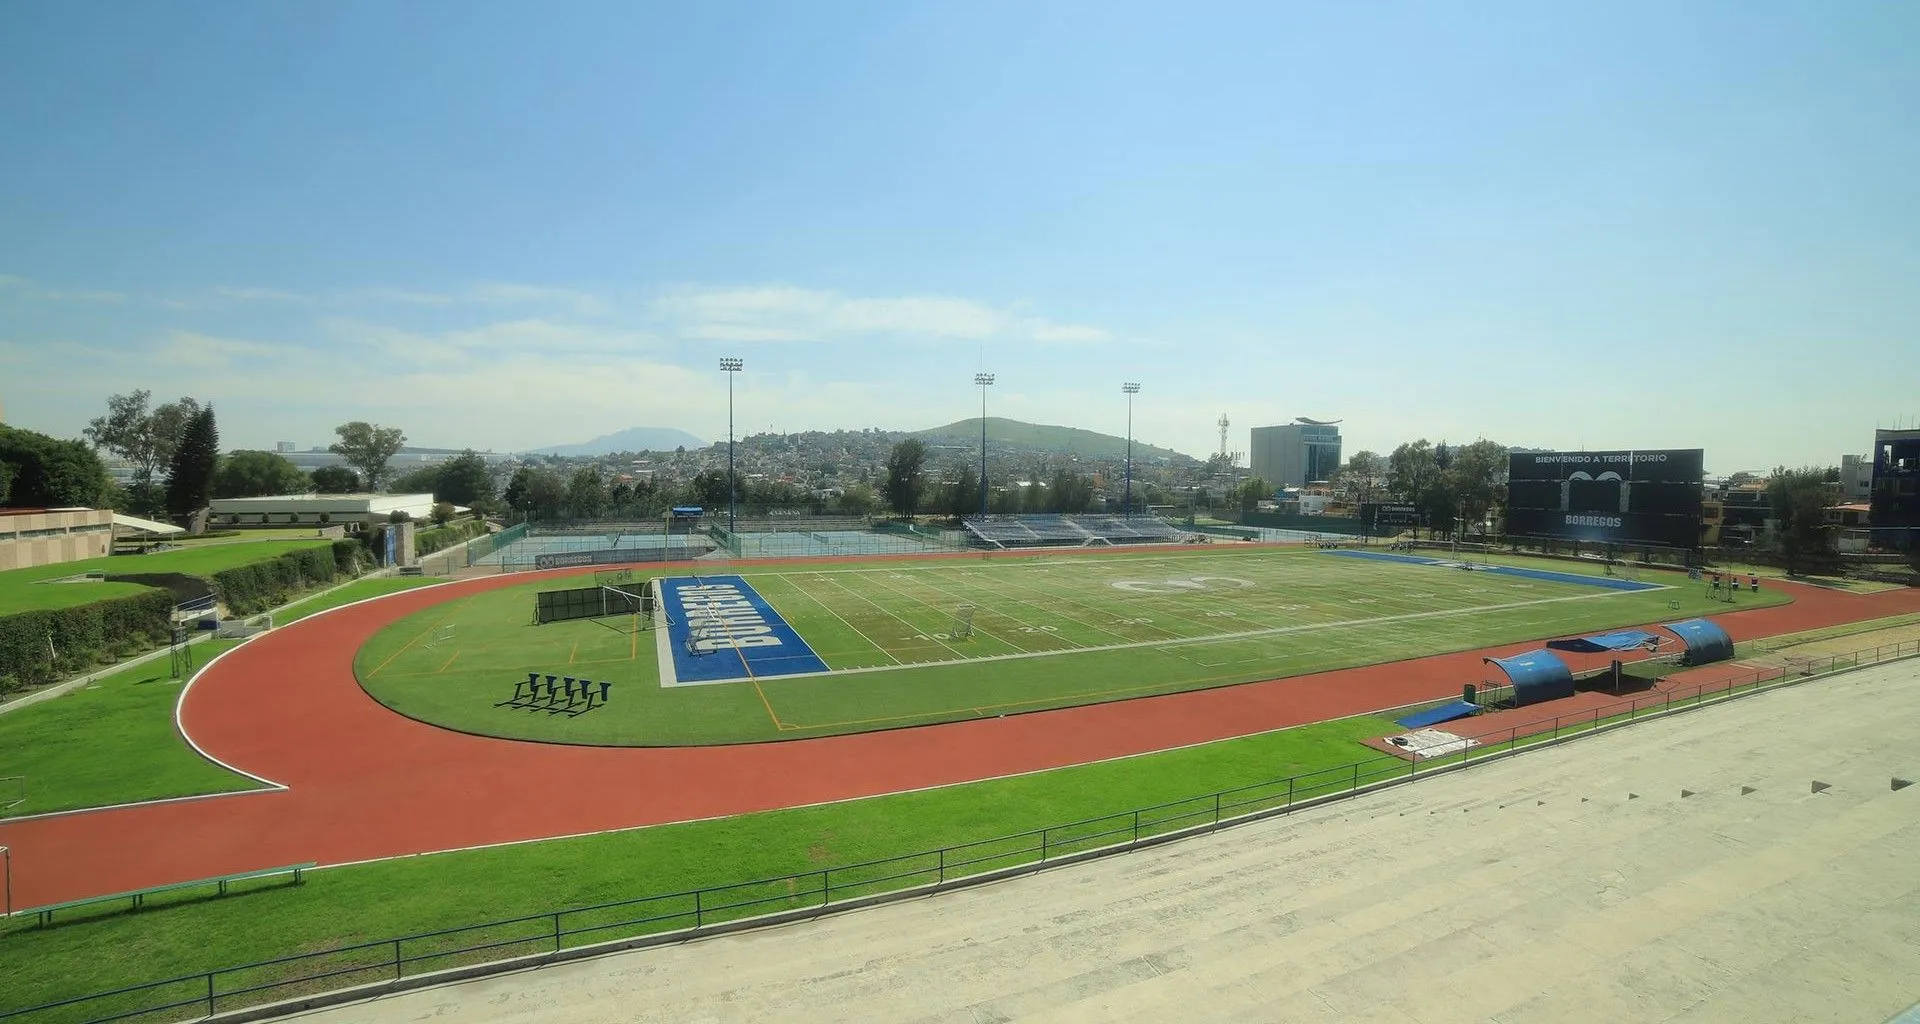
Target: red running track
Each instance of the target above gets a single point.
(362, 782)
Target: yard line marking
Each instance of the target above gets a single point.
(982, 630)
(573, 653)
(1055, 596)
(445, 664)
(804, 592)
(890, 612)
(1217, 637)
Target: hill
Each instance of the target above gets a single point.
(632, 439)
(1045, 438)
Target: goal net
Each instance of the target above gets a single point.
(962, 623)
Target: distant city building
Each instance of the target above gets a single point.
(1856, 477)
(283, 447)
(1896, 489)
(1296, 454)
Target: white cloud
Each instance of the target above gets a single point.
(260, 295)
(780, 313)
(24, 288)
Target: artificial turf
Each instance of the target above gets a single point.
(1048, 632)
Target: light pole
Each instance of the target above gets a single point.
(985, 380)
(730, 365)
(1131, 389)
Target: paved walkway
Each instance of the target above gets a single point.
(1570, 884)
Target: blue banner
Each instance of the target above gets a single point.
(721, 630)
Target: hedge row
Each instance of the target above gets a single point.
(426, 542)
(40, 647)
(256, 587)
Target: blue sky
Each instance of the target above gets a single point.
(1596, 225)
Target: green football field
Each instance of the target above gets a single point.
(1048, 631)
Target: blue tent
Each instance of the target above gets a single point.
(1536, 676)
(1624, 640)
(1706, 641)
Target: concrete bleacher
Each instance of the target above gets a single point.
(1032, 530)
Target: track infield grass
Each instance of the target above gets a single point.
(113, 741)
(1049, 631)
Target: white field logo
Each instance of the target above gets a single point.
(718, 618)
(1182, 586)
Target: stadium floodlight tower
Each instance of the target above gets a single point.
(1126, 505)
(730, 365)
(985, 380)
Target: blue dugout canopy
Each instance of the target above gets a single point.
(1706, 641)
(1536, 676)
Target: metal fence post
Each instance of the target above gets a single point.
(1290, 779)
(1136, 818)
(823, 889)
(1356, 775)
(696, 907)
(1043, 846)
(1216, 808)
(942, 877)
(209, 993)
(396, 958)
(556, 932)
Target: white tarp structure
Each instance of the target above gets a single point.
(122, 521)
(1431, 742)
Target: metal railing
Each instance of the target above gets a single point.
(681, 914)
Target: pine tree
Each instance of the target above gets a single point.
(194, 463)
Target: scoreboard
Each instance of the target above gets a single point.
(1610, 497)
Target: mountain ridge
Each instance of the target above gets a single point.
(632, 439)
(1048, 437)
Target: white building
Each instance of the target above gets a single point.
(353, 511)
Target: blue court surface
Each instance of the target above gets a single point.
(1548, 575)
(719, 630)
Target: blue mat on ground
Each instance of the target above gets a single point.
(722, 629)
(1548, 575)
(1624, 640)
(1434, 716)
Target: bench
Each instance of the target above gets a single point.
(412, 570)
(139, 896)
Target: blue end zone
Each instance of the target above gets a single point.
(1548, 575)
(739, 635)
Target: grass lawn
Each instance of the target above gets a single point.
(417, 894)
(113, 741)
(24, 590)
(407, 896)
(1049, 631)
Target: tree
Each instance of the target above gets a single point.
(518, 495)
(1254, 491)
(46, 472)
(1478, 479)
(1741, 478)
(6, 481)
(441, 513)
(466, 480)
(336, 480)
(906, 475)
(546, 494)
(858, 500)
(145, 438)
(1799, 500)
(253, 474)
(195, 458)
(423, 480)
(1069, 491)
(587, 493)
(368, 448)
(1363, 477)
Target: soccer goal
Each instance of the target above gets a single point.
(13, 792)
(962, 623)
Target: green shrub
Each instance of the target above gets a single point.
(258, 586)
(426, 542)
(41, 647)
